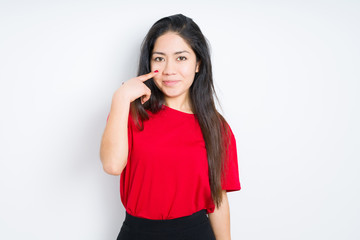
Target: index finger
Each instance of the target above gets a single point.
(147, 76)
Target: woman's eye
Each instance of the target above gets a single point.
(182, 58)
(158, 59)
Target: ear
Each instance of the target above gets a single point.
(197, 66)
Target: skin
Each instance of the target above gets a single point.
(114, 143)
(220, 220)
(175, 60)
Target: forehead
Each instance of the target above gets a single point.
(170, 43)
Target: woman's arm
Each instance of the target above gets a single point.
(114, 143)
(220, 219)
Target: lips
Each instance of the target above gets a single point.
(170, 82)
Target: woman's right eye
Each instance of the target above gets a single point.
(158, 59)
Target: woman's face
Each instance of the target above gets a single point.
(176, 63)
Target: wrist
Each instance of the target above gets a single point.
(120, 100)
(120, 96)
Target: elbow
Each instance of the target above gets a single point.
(113, 165)
(112, 169)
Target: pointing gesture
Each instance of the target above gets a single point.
(135, 88)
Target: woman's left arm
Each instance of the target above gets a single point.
(220, 219)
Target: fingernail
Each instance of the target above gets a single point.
(156, 71)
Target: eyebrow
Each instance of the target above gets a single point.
(179, 52)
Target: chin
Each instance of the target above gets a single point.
(172, 94)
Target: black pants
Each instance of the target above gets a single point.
(194, 227)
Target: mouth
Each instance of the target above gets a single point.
(171, 83)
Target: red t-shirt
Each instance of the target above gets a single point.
(166, 175)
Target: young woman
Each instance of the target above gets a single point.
(175, 152)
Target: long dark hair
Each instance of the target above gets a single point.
(214, 127)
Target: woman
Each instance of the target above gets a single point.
(174, 151)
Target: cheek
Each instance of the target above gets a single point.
(187, 70)
(155, 66)
(156, 79)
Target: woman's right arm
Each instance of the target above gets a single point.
(114, 143)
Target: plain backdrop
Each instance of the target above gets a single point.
(287, 76)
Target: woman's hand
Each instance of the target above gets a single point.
(135, 88)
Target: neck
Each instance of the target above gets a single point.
(181, 104)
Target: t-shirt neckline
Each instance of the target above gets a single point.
(178, 111)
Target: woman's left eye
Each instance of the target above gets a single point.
(182, 58)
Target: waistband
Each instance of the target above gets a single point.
(150, 225)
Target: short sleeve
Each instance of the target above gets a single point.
(230, 178)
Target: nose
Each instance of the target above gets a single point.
(169, 68)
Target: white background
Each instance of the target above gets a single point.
(287, 75)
